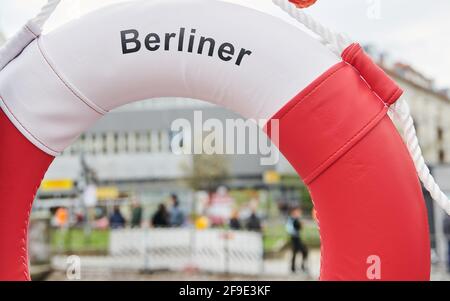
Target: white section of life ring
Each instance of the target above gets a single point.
(82, 67)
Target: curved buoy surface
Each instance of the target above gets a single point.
(330, 113)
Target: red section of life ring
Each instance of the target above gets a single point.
(22, 167)
(361, 177)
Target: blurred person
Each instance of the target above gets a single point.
(136, 215)
(447, 236)
(79, 217)
(254, 222)
(293, 227)
(235, 223)
(62, 217)
(220, 206)
(161, 217)
(101, 223)
(101, 219)
(176, 214)
(116, 220)
(283, 206)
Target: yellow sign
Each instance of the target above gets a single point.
(57, 185)
(107, 193)
(272, 177)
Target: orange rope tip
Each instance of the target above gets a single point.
(303, 3)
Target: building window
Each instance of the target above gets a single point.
(155, 141)
(110, 143)
(131, 142)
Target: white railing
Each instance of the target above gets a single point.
(220, 251)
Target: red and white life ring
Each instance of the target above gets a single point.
(331, 111)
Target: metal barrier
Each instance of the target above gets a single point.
(220, 251)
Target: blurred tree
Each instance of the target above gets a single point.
(207, 172)
(306, 201)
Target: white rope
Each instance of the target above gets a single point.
(30, 31)
(400, 111)
(402, 115)
(335, 41)
(45, 13)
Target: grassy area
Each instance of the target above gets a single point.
(76, 241)
(276, 236)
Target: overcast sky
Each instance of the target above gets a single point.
(413, 31)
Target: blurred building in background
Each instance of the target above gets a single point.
(130, 149)
(431, 112)
(430, 107)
